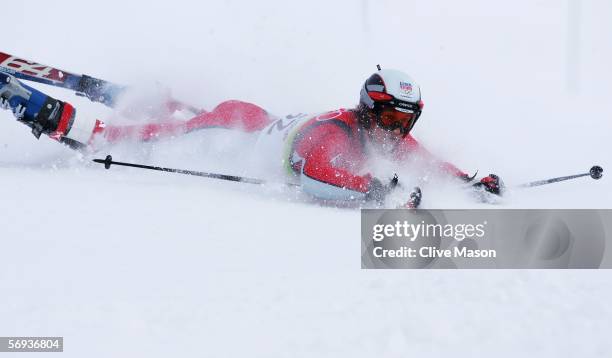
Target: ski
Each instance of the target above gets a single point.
(94, 89)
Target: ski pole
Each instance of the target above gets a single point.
(108, 161)
(595, 172)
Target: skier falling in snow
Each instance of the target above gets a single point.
(327, 153)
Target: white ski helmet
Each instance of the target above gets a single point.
(390, 89)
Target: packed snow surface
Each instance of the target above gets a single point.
(129, 262)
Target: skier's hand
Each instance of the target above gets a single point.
(415, 199)
(378, 191)
(492, 183)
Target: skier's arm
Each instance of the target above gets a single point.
(491, 183)
(411, 146)
(329, 169)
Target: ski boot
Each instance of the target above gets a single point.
(42, 113)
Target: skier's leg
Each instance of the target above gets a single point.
(141, 132)
(232, 115)
(44, 114)
(57, 119)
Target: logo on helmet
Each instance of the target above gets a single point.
(406, 88)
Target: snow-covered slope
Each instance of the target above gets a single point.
(128, 262)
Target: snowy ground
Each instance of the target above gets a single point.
(135, 263)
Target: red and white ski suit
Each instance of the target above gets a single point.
(326, 152)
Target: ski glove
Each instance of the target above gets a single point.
(378, 191)
(415, 199)
(18, 111)
(492, 183)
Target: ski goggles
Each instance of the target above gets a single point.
(392, 118)
(394, 113)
